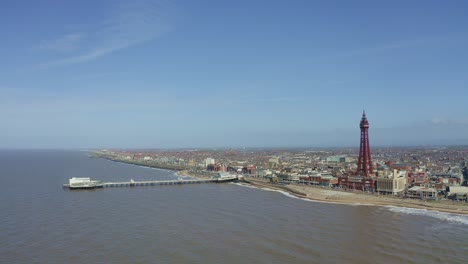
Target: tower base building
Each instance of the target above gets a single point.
(356, 182)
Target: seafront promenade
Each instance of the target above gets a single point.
(359, 198)
(340, 196)
(330, 195)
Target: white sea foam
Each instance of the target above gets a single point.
(243, 185)
(285, 193)
(449, 217)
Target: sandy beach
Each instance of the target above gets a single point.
(344, 197)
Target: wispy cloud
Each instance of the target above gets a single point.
(66, 43)
(441, 121)
(127, 23)
(88, 56)
(399, 45)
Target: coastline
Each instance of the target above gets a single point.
(141, 164)
(327, 195)
(183, 172)
(354, 198)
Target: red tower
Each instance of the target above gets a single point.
(365, 161)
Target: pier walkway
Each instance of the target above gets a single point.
(153, 183)
(87, 183)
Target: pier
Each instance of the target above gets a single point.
(87, 183)
(154, 183)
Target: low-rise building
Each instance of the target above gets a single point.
(262, 173)
(355, 182)
(420, 192)
(326, 180)
(457, 192)
(273, 162)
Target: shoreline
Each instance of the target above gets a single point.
(177, 171)
(153, 166)
(327, 195)
(352, 198)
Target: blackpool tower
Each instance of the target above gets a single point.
(365, 161)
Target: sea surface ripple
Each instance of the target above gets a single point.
(202, 223)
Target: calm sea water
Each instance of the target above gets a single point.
(207, 223)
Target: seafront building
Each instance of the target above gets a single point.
(325, 180)
(390, 181)
(457, 192)
(420, 192)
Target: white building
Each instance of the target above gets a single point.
(457, 191)
(209, 161)
(422, 193)
(391, 182)
(264, 173)
(273, 162)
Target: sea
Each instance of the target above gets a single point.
(42, 222)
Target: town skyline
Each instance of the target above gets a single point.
(177, 74)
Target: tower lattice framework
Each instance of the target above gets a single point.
(365, 162)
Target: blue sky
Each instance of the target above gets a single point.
(170, 74)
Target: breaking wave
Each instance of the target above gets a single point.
(449, 217)
(285, 193)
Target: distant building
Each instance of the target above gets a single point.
(447, 178)
(465, 175)
(338, 159)
(288, 176)
(400, 166)
(209, 161)
(273, 162)
(418, 178)
(263, 173)
(250, 169)
(217, 167)
(147, 158)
